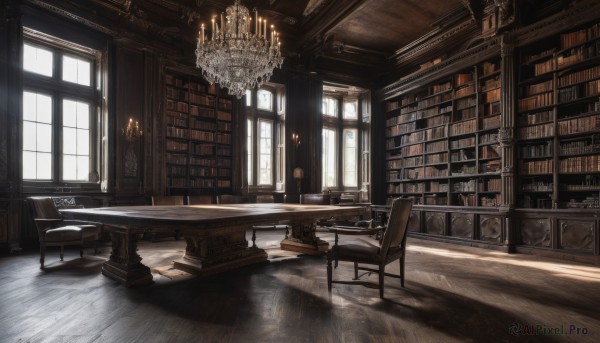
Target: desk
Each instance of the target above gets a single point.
(215, 234)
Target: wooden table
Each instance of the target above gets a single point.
(215, 234)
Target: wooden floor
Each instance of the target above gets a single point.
(453, 294)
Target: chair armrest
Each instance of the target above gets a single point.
(45, 224)
(354, 231)
(81, 222)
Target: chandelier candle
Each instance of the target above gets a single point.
(234, 57)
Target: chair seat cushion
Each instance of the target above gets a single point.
(64, 234)
(89, 232)
(360, 252)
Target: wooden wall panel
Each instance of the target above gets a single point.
(490, 228)
(577, 235)
(536, 232)
(414, 221)
(435, 223)
(461, 225)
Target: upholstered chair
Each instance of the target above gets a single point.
(54, 230)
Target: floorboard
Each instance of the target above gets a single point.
(453, 294)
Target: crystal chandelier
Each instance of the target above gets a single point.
(234, 57)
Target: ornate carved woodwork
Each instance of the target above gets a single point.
(414, 221)
(490, 228)
(577, 235)
(536, 232)
(435, 223)
(461, 225)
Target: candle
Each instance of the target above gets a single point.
(223, 23)
(249, 24)
(256, 22)
(259, 26)
(265, 29)
(272, 32)
(213, 27)
(202, 39)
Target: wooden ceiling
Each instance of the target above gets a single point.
(359, 32)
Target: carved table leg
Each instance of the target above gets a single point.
(218, 251)
(304, 240)
(125, 264)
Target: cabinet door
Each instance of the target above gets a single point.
(536, 232)
(577, 235)
(461, 225)
(435, 222)
(490, 228)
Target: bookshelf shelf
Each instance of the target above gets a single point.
(198, 136)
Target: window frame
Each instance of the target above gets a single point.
(340, 124)
(60, 90)
(276, 117)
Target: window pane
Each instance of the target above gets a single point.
(44, 137)
(249, 147)
(83, 142)
(29, 165)
(329, 158)
(29, 136)
(69, 141)
(76, 70)
(248, 97)
(330, 106)
(351, 109)
(265, 157)
(37, 60)
(83, 168)
(44, 109)
(264, 100)
(350, 159)
(83, 115)
(69, 167)
(44, 166)
(69, 113)
(29, 106)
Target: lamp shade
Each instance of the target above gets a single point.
(298, 173)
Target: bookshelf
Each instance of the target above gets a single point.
(558, 113)
(198, 137)
(442, 140)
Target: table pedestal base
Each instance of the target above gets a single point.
(317, 248)
(212, 266)
(124, 264)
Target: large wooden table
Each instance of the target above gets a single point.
(215, 234)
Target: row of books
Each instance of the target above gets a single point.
(536, 88)
(543, 67)
(490, 84)
(462, 78)
(490, 151)
(491, 185)
(468, 113)
(537, 131)
(205, 100)
(401, 129)
(537, 186)
(436, 186)
(491, 201)
(581, 36)
(176, 121)
(202, 112)
(492, 122)
(579, 147)
(203, 149)
(464, 170)
(466, 102)
(203, 125)
(492, 95)
(438, 146)
(579, 125)
(177, 132)
(176, 146)
(580, 164)
(224, 104)
(441, 87)
(536, 167)
(465, 91)
(436, 158)
(177, 159)
(488, 138)
(536, 101)
(435, 100)
(463, 127)
(579, 76)
(536, 118)
(208, 162)
(176, 94)
(538, 150)
(464, 186)
(462, 143)
(223, 138)
(195, 86)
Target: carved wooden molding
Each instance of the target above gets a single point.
(74, 17)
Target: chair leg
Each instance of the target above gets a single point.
(355, 270)
(381, 279)
(329, 273)
(62, 252)
(401, 272)
(253, 238)
(42, 255)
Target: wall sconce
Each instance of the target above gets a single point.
(298, 175)
(296, 140)
(132, 132)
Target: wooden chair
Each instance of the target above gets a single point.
(315, 199)
(235, 199)
(392, 247)
(166, 200)
(199, 199)
(54, 230)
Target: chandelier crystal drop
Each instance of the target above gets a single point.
(233, 56)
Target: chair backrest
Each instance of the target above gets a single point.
(396, 229)
(235, 199)
(315, 199)
(43, 208)
(291, 198)
(199, 199)
(348, 198)
(158, 200)
(265, 198)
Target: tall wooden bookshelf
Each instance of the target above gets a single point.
(442, 140)
(198, 137)
(558, 113)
